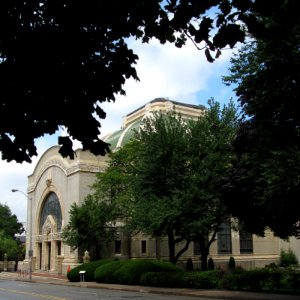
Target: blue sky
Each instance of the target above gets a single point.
(182, 75)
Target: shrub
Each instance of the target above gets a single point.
(202, 279)
(210, 264)
(89, 269)
(130, 271)
(163, 279)
(275, 276)
(189, 265)
(105, 273)
(287, 259)
(249, 280)
(292, 279)
(232, 280)
(231, 263)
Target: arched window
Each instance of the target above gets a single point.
(51, 207)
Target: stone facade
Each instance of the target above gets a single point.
(69, 181)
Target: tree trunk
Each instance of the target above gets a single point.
(171, 244)
(203, 243)
(203, 261)
(180, 252)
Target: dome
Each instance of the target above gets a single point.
(120, 137)
(133, 120)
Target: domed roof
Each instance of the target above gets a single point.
(120, 137)
(133, 120)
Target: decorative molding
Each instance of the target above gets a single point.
(76, 167)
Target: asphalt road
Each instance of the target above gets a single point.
(18, 290)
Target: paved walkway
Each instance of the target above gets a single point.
(221, 294)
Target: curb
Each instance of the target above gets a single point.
(220, 294)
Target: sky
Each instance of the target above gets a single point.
(182, 75)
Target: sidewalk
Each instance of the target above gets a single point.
(221, 294)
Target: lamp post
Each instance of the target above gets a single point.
(30, 251)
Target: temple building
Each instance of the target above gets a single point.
(56, 183)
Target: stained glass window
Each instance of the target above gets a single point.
(51, 207)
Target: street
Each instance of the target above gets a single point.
(19, 290)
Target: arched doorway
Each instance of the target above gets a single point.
(49, 238)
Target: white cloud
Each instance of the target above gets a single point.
(165, 71)
(15, 176)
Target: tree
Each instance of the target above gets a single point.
(170, 174)
(115, 184)
(263, 186)
(161, 171)
(210, 156)
(10, 247)
(61, 59)
(9, 225)
(90, 226)
(142, 178)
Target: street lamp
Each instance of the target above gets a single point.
(30, 251)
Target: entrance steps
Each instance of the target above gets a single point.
(49, 274)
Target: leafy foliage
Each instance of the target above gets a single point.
(161, 171)
(9, 246)
(9, 225)
(210, 156)
(89, 269)
(163, 274)
(203, 280)
(163, 279)
(166, 181)
(130, 271)
(263, 186)
(231, 263)
(288, 258)
(210, 264)
(90, 226)
(61, 59)
(115, 184)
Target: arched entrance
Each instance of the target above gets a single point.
(49, 238)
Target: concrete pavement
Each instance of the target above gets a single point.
(221, 294)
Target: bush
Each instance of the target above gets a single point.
(287, 259)
(247, 280)
(189, 265)
(163, 279)
(89, 269)
(202, 279)
(164, 274)
(275, 276)
(210, 264)
(105, 273)
(131, 271)
(292, 279)
(231, 263)
(232, 280)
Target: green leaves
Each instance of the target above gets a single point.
(60, 58)
(262, 185)
(9, 225)
(166, 181)
(10, 247)
(90, 225)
